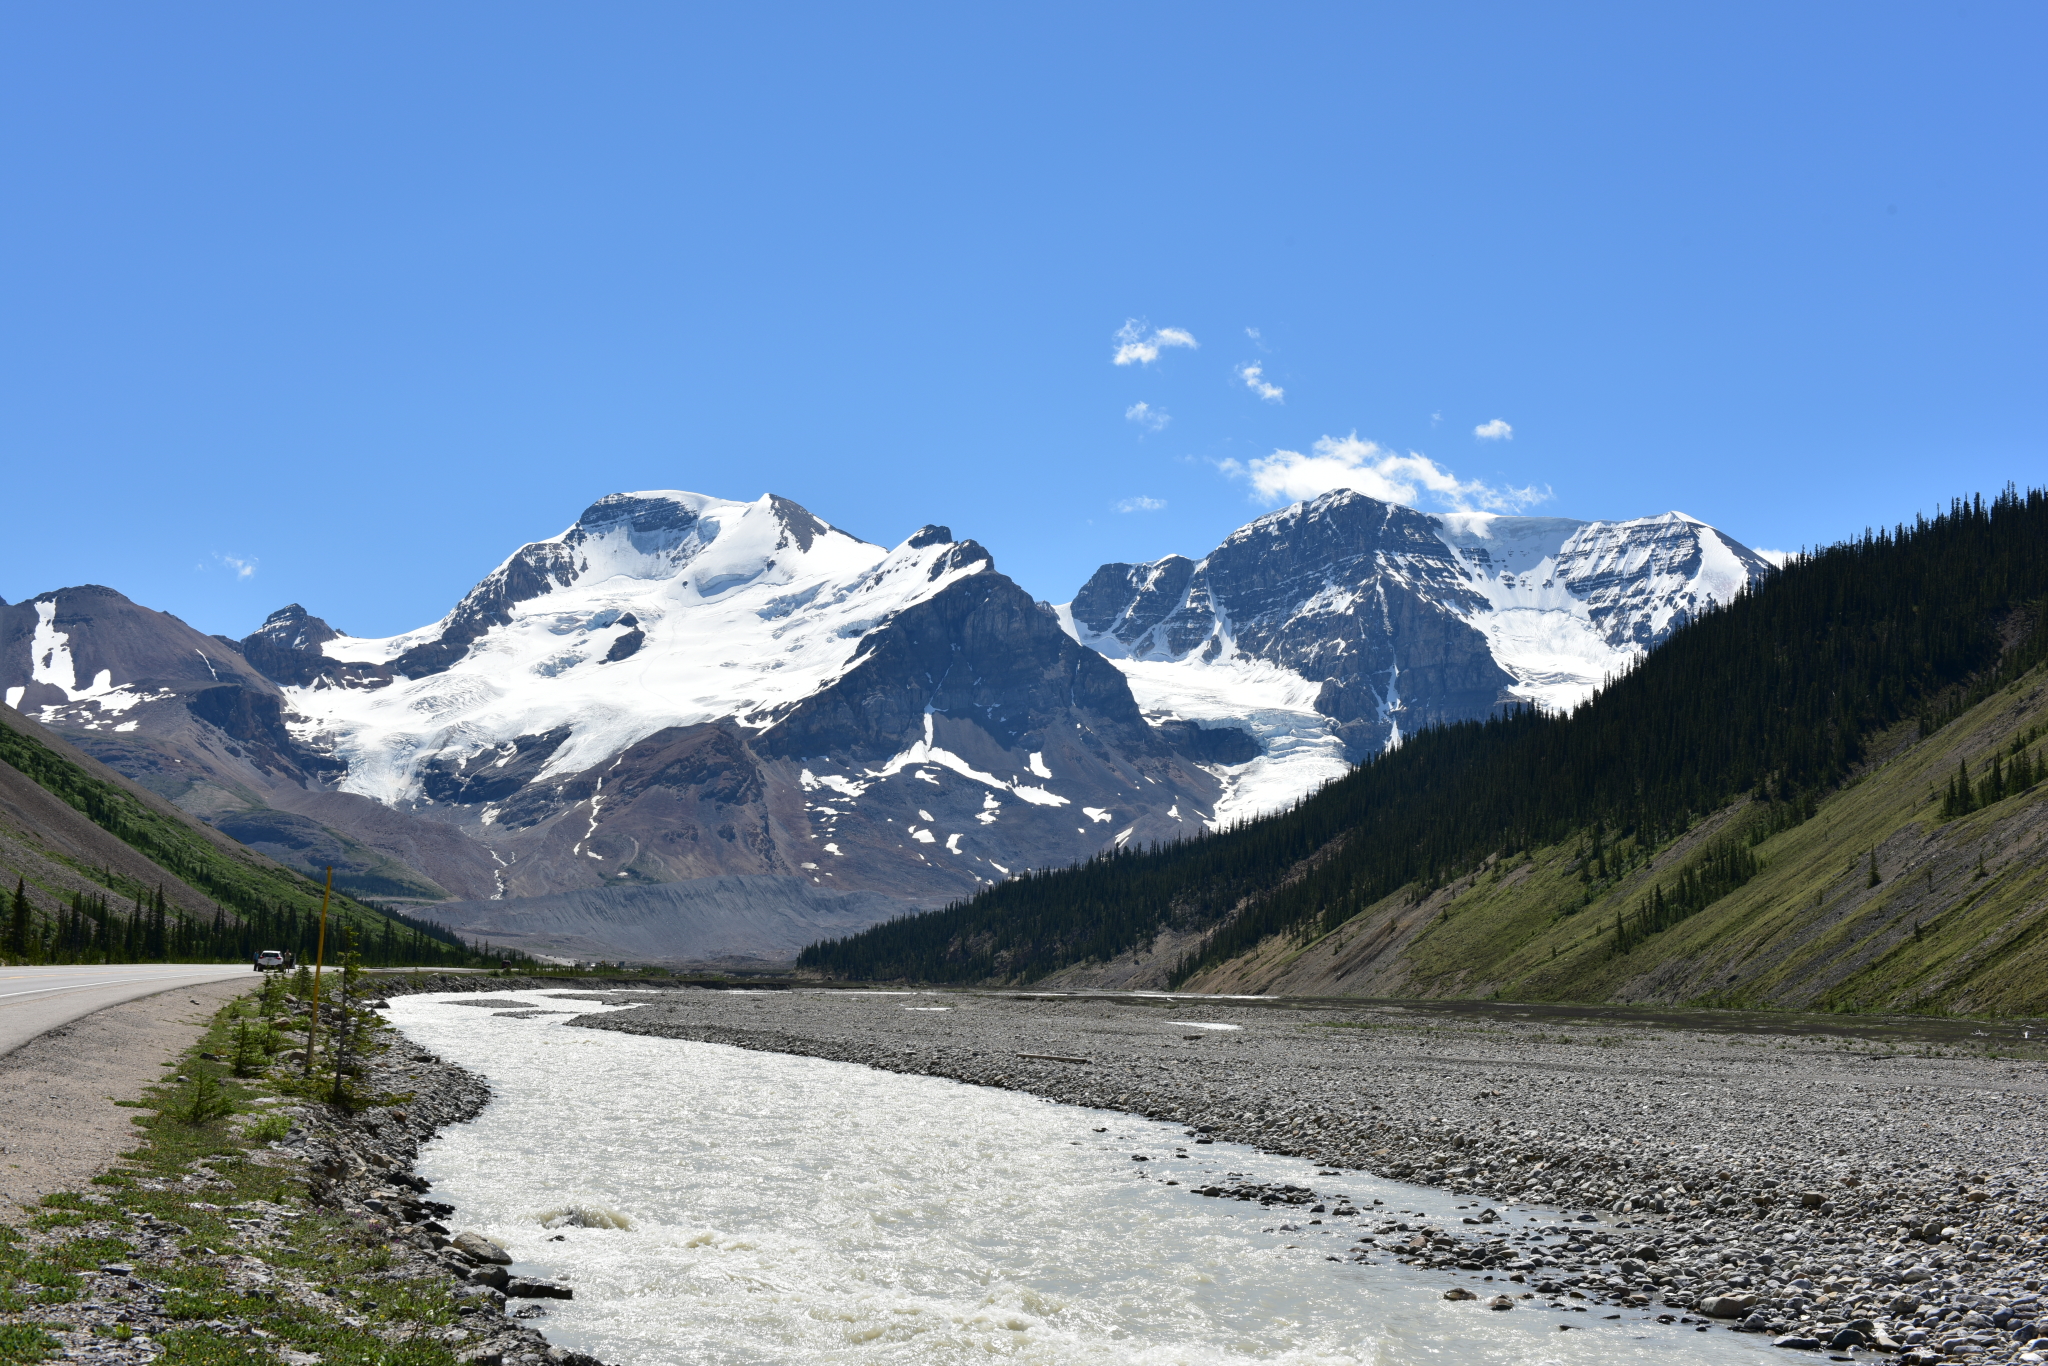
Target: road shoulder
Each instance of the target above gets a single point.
(55, 1088)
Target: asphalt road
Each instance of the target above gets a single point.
(36, 1000)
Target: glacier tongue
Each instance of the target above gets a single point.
(1299, 749)
(692, 610)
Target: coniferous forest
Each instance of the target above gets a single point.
(1773, 698)
(92, 928)
(255, 904)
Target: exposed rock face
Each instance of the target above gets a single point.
(980, 653)
(286, 647)
(1328, 629)
(1361, 596)
(192, 719)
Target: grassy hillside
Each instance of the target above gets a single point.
(1688, 788)
(1955, 921)
(105, 868)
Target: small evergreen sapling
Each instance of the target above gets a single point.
(250, 1057)
(202, 1102)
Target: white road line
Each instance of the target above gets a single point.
(82, 984)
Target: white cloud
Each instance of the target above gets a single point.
(1145, 415)
(1776, 557)
(1252, 332)
(244, 567)
(1254, 377)
(1350, 463)
(1135, 347)
(1141, 504)
(1495, 430)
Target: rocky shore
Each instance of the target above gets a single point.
(299, 1235)
(1826, 1190)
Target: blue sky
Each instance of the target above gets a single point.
(341, 304)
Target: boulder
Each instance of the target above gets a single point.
(477, 1247)
(529, 1288)
(491, 1275)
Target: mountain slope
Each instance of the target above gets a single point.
(72, 828)
(1329, 629)
(681, 688)
(1774, 698)
(190, 718)
(1879, 901)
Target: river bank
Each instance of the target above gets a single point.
(282, 1232)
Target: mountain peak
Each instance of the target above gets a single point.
(1331, 628)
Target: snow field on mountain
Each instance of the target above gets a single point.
(1536, 627)
(1567, 602)
(739, 622)
(50, 662)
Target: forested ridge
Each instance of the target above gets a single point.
(260, 904)
(1773, 696)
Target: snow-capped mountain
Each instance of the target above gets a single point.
(685, 687)
(1326, 630)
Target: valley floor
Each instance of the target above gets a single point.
(1896, 1173)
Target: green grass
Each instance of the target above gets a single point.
(24, 1342)
(323, 1247)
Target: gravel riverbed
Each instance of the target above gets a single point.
(1834, 1192)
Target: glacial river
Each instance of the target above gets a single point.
(790, 1209)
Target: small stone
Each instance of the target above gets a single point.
(1798, 1342)
(1500, 1302)
(1459, 1292)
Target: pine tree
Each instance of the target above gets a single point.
(1873, 870)
(159, 949)
(1992, 788)
(18, 923)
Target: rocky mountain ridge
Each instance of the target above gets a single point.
(1329, 629)
(680, 688)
